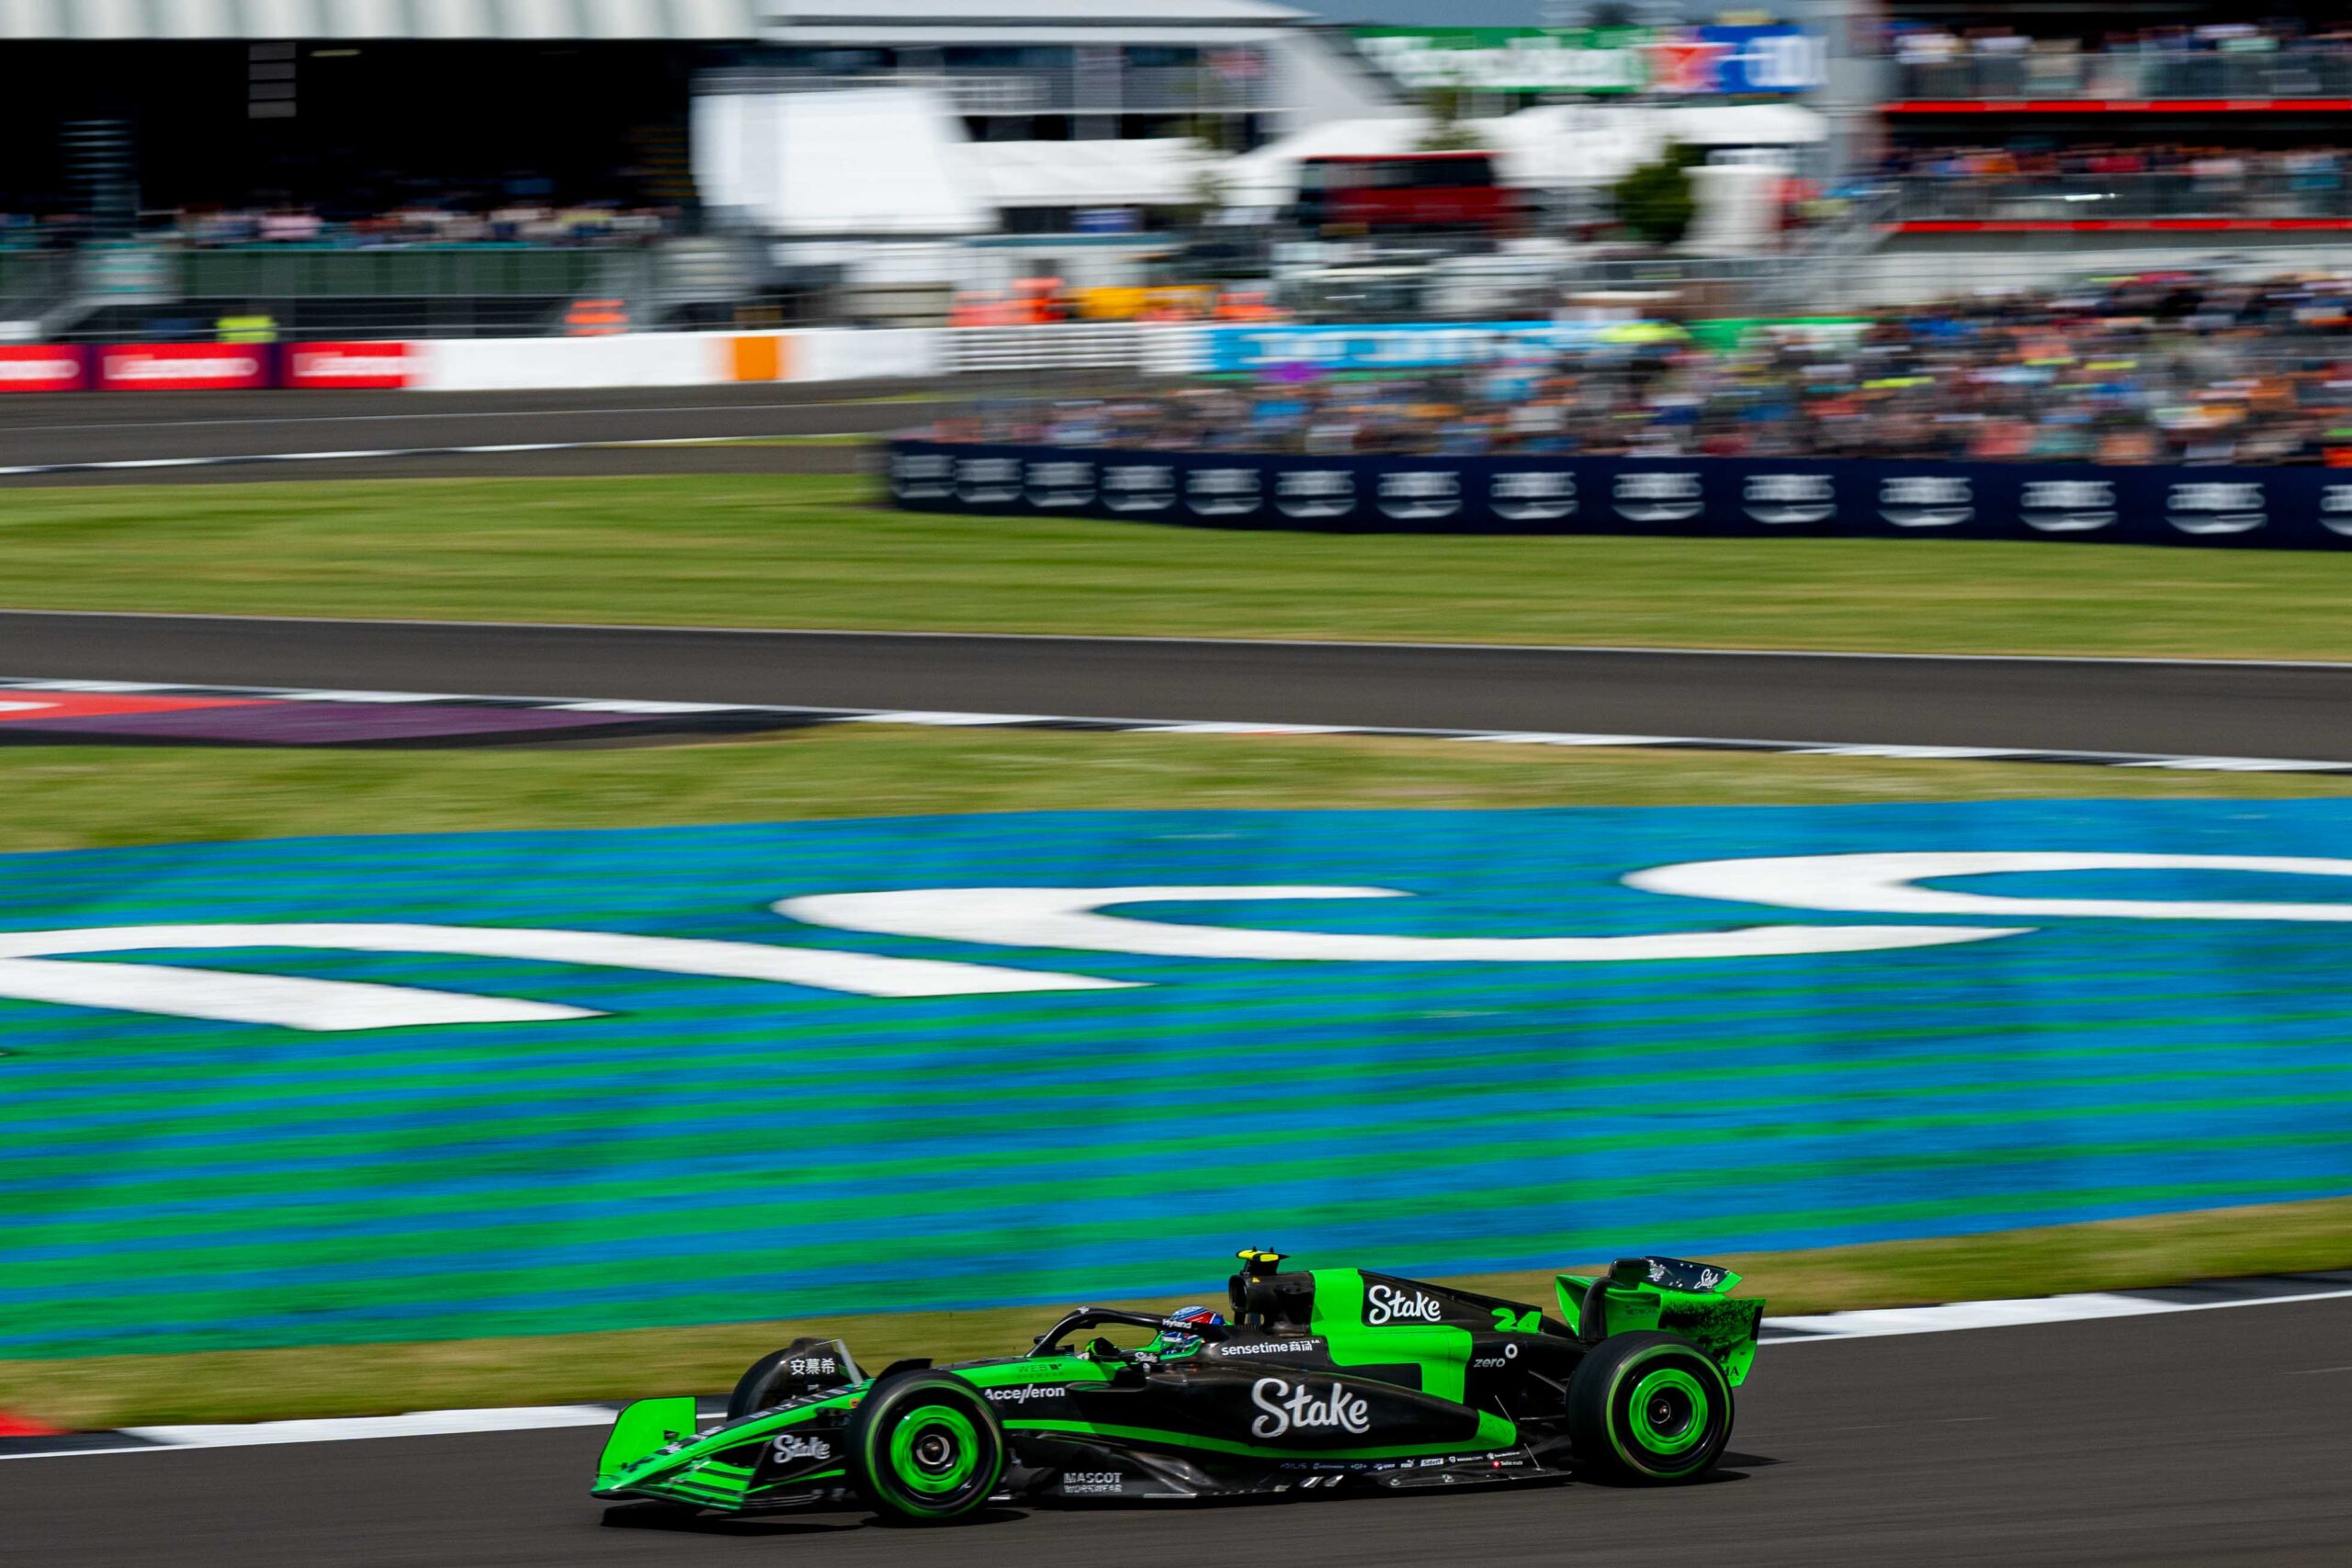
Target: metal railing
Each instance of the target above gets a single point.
(31, 280)
(1036, 90)
(482, 272)
(2054, 73)
(2320, 193)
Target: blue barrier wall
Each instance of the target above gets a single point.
(2280, 508)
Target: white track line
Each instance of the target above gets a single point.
(502, 448)
(2019, 1313)
(790, 715)
(1644, 649)
(680, 409)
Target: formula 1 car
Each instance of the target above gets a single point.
(1324, 1380)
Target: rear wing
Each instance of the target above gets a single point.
(1669, 1294)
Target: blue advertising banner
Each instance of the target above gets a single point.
(1391, 347)
(1779, 57)
(2282, 508)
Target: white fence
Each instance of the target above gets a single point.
(694, 359)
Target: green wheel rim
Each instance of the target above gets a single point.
(1668, 1412)
(934, 1451)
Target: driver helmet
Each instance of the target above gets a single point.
(1174, 1341)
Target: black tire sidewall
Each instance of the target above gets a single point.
(1601, 1392)
(891, 1401)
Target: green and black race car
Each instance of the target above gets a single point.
(1325, 1381)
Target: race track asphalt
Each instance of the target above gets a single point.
(116, 428)
(2256, 710)
(2214, 1437)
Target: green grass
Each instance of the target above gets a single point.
(809, 551)
(358, 1380)
(74, 797)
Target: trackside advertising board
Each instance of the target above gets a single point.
(185, 367)
(358, 367)
(2292, 508)
(1702, 61)
(1397, 347)
(43, 367)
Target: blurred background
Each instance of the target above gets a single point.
(604, 164)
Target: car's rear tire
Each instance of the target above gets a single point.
(1649, 1408)
(926, 1447)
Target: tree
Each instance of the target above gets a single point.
(1655, 201)
(1446, 133)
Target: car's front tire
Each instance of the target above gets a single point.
(926, 1447)
(1649, 1408)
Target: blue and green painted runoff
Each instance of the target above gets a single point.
(518, 1083)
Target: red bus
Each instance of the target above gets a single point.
(1404, 191)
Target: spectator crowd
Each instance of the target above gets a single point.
(2239, 58)
(509, 223)
(2152, 370)
(2038, 177)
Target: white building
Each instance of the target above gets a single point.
(945, 117)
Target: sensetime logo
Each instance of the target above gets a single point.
(1297, 1408)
